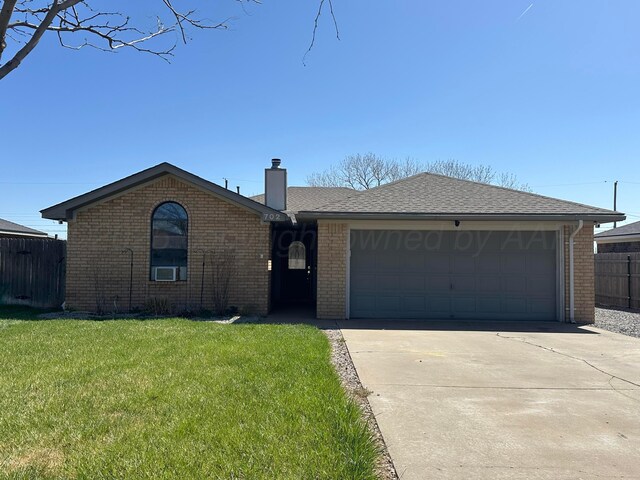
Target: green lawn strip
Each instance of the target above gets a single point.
(175, 399)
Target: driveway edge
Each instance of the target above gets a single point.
(346, 370)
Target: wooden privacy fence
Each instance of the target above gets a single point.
(617, 278)
(32, 271)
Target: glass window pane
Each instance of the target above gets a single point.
(169, 226)
(297, 256)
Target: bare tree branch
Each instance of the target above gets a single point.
(104, 30)
(33, 41)
(315, 26)
(362, 172)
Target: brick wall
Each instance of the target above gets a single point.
(98, 270)
(332, 270)
(583, 274)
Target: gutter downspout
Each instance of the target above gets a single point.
(572, 309)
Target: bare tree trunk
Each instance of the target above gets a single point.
(5, 16)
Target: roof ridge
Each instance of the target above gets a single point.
(498, 187)
(368, 190)
(532, 194)
(400, 180)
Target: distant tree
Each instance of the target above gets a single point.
(363, 172)
(79, 24)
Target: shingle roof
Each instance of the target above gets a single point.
(434, 195)
(64, 210)
(623, 231)
(311, 198)
(7, 227)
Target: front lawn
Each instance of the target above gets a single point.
(174, 399)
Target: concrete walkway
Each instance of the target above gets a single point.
(502, 401)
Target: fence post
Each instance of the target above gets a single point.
(629, 279)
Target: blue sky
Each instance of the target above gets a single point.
(551, 95)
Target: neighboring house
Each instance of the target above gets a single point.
(427, 246)
(13, 230)
(625, 239)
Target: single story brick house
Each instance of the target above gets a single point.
(624, 239)
(426, 247)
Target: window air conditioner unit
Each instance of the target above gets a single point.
(166, 274)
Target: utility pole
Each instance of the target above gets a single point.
(615, 199)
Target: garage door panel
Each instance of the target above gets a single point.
(540, 264)
(512, 263)
(540, 285)
(489, 242)
(489, 304)
(463, 263)
(439, 305)
(414, 304)
(386, 303)
(514, 284)
(438, 283)
(387, 261)
(363, 303)
(463, 304)
(412, 261)
(360, 262)
(541, 240)
(364, 282)
(437, 263)
(488, 284)
(446, 275)
(413, 283)
(542, 305)
(464, 283)
(514, 305)
(513, 241)
(488, 263)
(387, 283)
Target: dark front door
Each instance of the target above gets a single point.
(294, 266)
(297, 273)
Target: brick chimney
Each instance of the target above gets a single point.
(275, 186)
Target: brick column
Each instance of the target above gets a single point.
(332, 270)
(583, 274)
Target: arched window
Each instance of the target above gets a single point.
(169, 225)
(297, 256)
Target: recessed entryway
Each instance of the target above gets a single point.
(293, 266)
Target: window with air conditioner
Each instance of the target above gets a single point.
(169, 243)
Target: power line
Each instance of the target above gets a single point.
(569, 184)
(50, 183)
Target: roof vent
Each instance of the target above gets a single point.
(275, 163)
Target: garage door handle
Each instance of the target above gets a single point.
(451, 286)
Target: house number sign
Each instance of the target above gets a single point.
(273, 217)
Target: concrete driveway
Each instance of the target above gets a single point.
(502, 401)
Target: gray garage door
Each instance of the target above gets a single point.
(453, 274)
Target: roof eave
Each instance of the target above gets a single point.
(596, 218)
(64, 211)
(24, 234)
(629, 237)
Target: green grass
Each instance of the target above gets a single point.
(173, 399)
